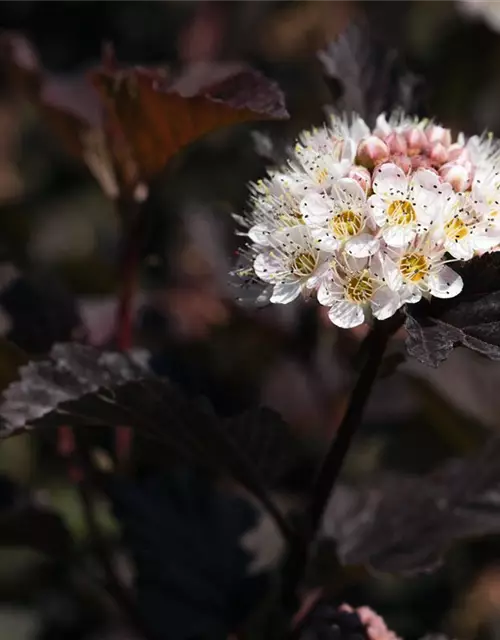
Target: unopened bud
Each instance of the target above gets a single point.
(457, 175)
(372, 151)
(362, 177)
(396, 143)
(436, 133)
(438, 153)
(416, 140)
(458, 154)
(421, 162)
(403, 162)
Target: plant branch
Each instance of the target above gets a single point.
(332, 464)
(371, 351)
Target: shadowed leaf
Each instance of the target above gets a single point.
(81, 386)
(157, 122)
(373, 79)
(472, 319)
(403, 524)
(185, 536)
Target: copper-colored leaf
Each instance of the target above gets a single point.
(157, 122)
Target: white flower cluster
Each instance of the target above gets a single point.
(370, 220)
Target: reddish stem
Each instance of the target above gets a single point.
(129, 267)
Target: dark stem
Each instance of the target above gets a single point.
(129, 264)
(332, 464)
(371, 352)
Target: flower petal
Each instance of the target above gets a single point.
(362, 245)
(347, 188)
(316, 208)
(410, 294)
(446, 283)
(385, 303)
(324, 239)
(260, 234)
(268, 267)
(461, 249)
(390, 182)
(392, 274)
(329, 292)
(346, 314)
(285, 293)
(399, 235)
(377, 210)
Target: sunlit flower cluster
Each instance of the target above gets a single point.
(370, 220)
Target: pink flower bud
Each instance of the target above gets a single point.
(436, 133)
(372, 151)
(458, 154)
(362, 177)
(396, 143)
(402, 161)
(457, 175)
(416, 140)
(421, 162)
(438, 153)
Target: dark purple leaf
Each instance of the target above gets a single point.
(81, 386)
(403, 524)
(372, 78)
(472, 319)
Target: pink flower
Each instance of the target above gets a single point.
(438, 153)
(416, 140)
(372, 151)
(375, 625)
(362, 177)
(436, 133)
(459, 176)
(396, 143)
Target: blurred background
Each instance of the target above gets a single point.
(61, 242)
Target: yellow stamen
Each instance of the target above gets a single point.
(359, 288)
(346, 223)
(455, 229)
(304, 264)
(414, 266)
(401, 212)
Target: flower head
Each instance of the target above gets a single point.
(291, 261)
(353, 292)
(340, 219)
(373, 220)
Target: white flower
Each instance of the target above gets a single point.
(275, 208)
(403, 206)
(324, 155)
(416, 271)
(465, 227)
(353, 292)
(340, 219)
(291, 262)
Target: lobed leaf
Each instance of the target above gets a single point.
(472, 319)
(81, 386)
(156, 121)
(404, 524)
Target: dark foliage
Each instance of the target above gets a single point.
(81, 386)
(372, 78)
(403, 524)
(191, 570)
(472, 319)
